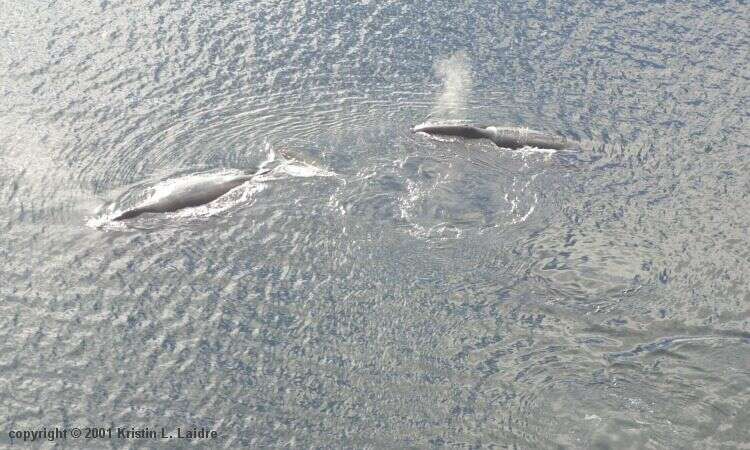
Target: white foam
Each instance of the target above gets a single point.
(528, 151)
(528, 214)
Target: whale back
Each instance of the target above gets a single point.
(187, 194)
(197, 194)
(514, 138)
(507, 137)
(467, 131)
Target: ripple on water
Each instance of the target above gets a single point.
(432, 292)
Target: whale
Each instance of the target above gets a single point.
(188, 193)
(506, 137)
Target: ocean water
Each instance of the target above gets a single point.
(382, 289)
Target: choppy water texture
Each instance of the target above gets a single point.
(432, 292)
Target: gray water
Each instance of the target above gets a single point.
(431, 292)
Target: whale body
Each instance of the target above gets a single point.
(188, 193)
(506, 137)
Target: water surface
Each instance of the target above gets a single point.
(432, 292)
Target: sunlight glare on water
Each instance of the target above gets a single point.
(378, 288)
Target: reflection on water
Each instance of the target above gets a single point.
(378, 288)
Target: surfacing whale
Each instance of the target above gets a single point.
(190, 193)
(506, 137)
